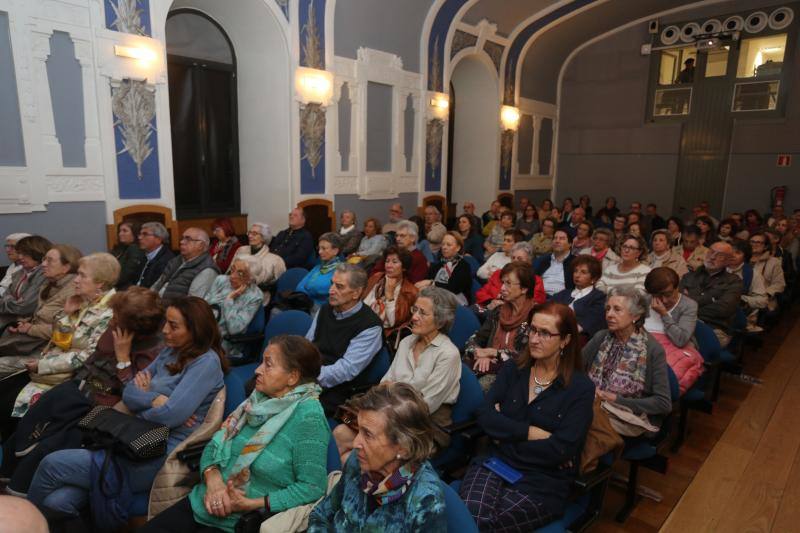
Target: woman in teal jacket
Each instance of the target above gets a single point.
(317, 282)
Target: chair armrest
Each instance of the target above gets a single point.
(469, 429)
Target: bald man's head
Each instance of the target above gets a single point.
(18, 514)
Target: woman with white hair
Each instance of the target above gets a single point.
(272, 265)
(627, 365)
(236, 298)
(15, 266)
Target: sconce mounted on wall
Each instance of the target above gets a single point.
(313, 86)
(135, 52)
(439, 105)
(509, 117)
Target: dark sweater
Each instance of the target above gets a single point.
(563, 411)
(295, 247)
(590, 311)
(460, 281)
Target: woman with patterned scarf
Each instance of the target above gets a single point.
(628, 365)
(271, 452)
(388, 483)
(451, 273)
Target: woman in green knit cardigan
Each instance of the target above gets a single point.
(269, 454)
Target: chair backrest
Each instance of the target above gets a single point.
(334, 460)
(473, 264)
(674, 387)
(470, 396)
(707, 341)
(234, 388)
(459, 519)
(258, 322)
(465, 324)
(379, 366)
(291, 322)
(290, 279)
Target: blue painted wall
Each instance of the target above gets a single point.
(144, 17)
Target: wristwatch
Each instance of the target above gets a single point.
(123, 366)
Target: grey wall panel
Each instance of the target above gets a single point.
(409, 116)
(12, 148)
(750, 178)
(379, 209)
(525, 144)
(66, 96)
(344, 109)
(388, 25)
(649, 139)
(379, 127)
(629, 177)
(81, 224)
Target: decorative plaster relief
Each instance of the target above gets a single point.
(134, 106)
(462, 40)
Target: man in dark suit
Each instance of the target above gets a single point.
(294, 244)
(154, 240)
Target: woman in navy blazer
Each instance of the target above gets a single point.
(585, 299)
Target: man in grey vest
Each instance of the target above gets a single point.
(191, 273)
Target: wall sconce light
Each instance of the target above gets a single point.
(439, 105)
(313, 86)
(135, 52)
(509, 117)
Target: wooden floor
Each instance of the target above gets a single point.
(739, 468)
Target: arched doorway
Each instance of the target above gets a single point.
(257, 33)
(201, 66)
(475, 130)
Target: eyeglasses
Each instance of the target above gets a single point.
(241, 273)
(253, 232)
(510, 283)
(628, 248)
(145, 234)
(753, 241)
(419, 311)
(542, 333)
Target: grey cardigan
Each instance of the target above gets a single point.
(656, 401)
(679, 324)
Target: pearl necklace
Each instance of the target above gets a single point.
(540, 385)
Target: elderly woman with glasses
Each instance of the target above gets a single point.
(631, 270)
(537, 415)
(627, 364)
(388, 483)
(426, 360)
(23, 294)
(271, 265)
(236, 299)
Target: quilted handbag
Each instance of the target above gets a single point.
(128, 435)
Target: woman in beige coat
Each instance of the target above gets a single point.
(663, 255)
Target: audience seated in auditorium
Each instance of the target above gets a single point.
(349, 232)
(469, 210)
(270, 454)
(504, 334)
(494, 241)
(602, 247)
(675, 229)
(690, 248)
(432, 216)
(527, 221)
(318, 281)
(537, 414)
(715, 290)
(391, 295)
(235, 299)
(708, 231)
(586, 300)
(619, 228)
(179, 386)
(628, 366)
(224, 244)
(492, 215)
(583, 237)
(567, 208)
(76, 331)
(555, 268)
(586, 204)
(295, 244)
(271, 266)
(672, 319)
(13, 257)
(631, 270)
(768, 281)
(652, 220)
(154, 241)
(395, 216)
(131, 342)
(488, 296)
(451, 272)
(727, 230)
(30, 334)
(523, 206)
(577, 217)
(190, 273)
(372, 243)
(388, 484)
(406, 239)
(664, 255)
(499, 259)
(635, 229)
(542, 242)
(545, 209)
(432, 244)
(606, 214)
(427, 360)
(20, 300)
(129, 254)
(778, 251)
(348, 334)
(473, 240)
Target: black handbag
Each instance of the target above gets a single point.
(131, 436)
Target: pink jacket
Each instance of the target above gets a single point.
(686, 362)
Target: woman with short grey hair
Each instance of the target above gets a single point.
(317, 283)
(627, 365)
(271, 265)
(427, 360)
(348, 231)
(11, 252)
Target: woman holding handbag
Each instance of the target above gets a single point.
(176, 390)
